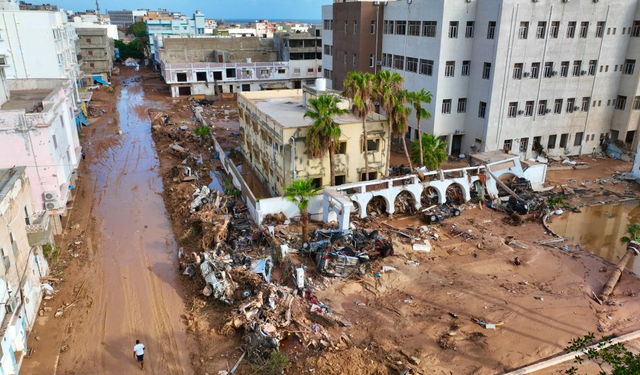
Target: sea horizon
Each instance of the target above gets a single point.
(248, 20)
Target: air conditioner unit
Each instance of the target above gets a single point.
(547, 110)
(11, 305)
(565, 1)
(583, 72)
(52, 205)
(527, 74)
(379, 62)
(535, 1)
(50, 195)
(554, 73)
(521, 112)
(576, 108)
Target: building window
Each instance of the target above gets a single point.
(426, 67)
(621, 102)
(636, 103)
(523, 31)
(577, 65)
(571, 29)
(564, 138)
(328, 74)
(414, 28)
(373, 27)
(517, 71)
(513, 109)
(342, 148)
(528, 108)
(345, 59)
(355, 27)
(541, 30)
(88, 40)
(578, 140)
(542, 107)
(449, 69)
(401, 27)
(482, 110)
(462, 105)
(629, 66)
(599, 29)
(327, 49)
(354, 59)
(453, 29)
(507, 145)
(548, 70)
(557, 106)
(468, 31)
(446, 106)
(371, 61)
(346, 26)
(584, 29)
(585, 103)
(202, 76)
(564, 69)
(491, 30)
(551, 144)
(592, 67)
(429, 28)
(535, 70)
(466, 68)
(486, 71)
(372, 176)
(398, 62)
(385, 27)
(373, 145)
(571, 104)
(412, 64)
(554, 30)
(635, 31)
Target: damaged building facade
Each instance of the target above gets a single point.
(557, 77)
(23, 264)
(273, 132)
(212, 65)
(96, 52)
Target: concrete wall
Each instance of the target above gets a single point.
(96, 50)
(206, 49)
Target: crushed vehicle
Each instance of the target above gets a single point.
(437, 214)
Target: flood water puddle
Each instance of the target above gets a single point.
(599, 228)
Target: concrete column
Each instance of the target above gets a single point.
(325, 208)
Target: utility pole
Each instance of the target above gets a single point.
(98, 7)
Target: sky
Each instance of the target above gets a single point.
(227, 9)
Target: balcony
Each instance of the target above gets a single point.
(38, 229)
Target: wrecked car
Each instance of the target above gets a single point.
(439, 213)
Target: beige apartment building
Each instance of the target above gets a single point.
(273, 132)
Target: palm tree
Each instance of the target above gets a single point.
(387, 85)
(358, 87)
(399, 116)
(416, 99)
(633, 249)
(633, 232)
(202, 131)
(300, 192)
(435, 151)
(324, 134)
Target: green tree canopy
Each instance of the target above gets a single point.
(300, 192)
(137, 29)
(434, 151)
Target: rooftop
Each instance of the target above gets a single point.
(288, 109)
(493, 156)
(8, 177)
(29, 100)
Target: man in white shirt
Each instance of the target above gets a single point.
(138, 352)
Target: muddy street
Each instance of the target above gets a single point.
(130, 277)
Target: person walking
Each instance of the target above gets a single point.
(138, 353)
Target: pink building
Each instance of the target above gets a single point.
(38, 130)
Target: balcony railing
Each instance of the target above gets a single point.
(39, 231)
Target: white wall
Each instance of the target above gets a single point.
(327, 39)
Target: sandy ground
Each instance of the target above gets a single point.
(124, 283)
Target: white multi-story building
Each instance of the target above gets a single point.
(513, 74)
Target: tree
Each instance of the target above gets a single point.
(617, 356)
(300, 192)
(202, 131)
(399, 116)
(132, 49)
(324, 134)
(358, 87)
(416, 99)
(435, 151)
(386, 86)
(137, 29)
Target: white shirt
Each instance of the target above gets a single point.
(139, 349)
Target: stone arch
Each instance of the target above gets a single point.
(405, 203)
(505, 178)
(356, 208)
(378, 205)
(429, 196)
(455, 193)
